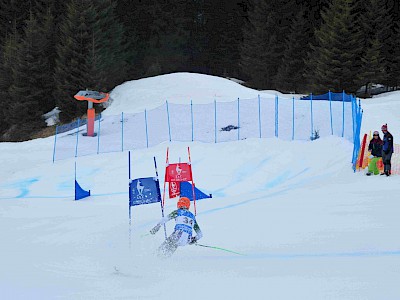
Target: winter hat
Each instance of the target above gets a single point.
(376, 132)
(384, 127)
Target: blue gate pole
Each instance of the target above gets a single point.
(330, 110)
(311, 112)
(292, 118)
(122, 132)
(169, 124)
(215, 121)
(276, 116)
(147, 134)
(77, 135)
(55, 142)
(191, 114)
(98, 137)
(238, 117)
(259, 115)
(343, 113)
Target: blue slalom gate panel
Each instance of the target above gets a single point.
(186, 191)
(80, 193)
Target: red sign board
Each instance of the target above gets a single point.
(178, 172)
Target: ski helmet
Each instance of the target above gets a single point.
(183, 202)
(376, 133)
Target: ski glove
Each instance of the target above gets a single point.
(155, 229)
(193, 240)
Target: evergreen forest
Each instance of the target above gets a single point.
(49, 49)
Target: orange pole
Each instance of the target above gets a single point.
(90, 121)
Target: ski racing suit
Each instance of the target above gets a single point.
(185, 223)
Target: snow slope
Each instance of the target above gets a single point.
(306, 225)
(137, 95)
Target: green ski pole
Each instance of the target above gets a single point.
(218, 248)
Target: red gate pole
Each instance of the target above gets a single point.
(362, 151)
(165, 177)
(191, 176)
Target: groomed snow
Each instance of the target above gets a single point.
(307, 226)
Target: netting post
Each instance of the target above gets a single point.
(55, 142)
(77, 139)
(215, 121)
(238, 118)
(292, 118)
(343, 113)
(98, 137)
(122, 132)
(259, 115)
(169, 124)
(191, 113)
(330, 110)
(311, 116)
(276, 116)
(147, 134)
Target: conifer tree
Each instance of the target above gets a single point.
(264, 38)
(72, 58)
(90, 54)
(29, 86)
(7, 60)
(334, 60)
(290, 75)
(223, 23)
(391, 47)
(259, 54)
(374, 22)
(372, 69)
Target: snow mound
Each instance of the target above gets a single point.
(138, 95)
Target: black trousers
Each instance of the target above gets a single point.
(386, 159)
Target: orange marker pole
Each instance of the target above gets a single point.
(90, 119)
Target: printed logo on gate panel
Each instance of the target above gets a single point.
(144, 191)
(174, 189)
(178, 172)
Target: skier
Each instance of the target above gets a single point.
(185, 222)
(375, 148)
(387, 150)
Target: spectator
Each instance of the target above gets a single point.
(375, 149)
(387, 150)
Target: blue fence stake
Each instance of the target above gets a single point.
(238, 117)
(259, 115)
(330, 110)
(343, 113)
(77, 131)
(122, 132)
(215, 121)
(311, 113)
(129, 209)
(276, 116)
(55, 142)
(98, 137)
(292, 118)
(191, 113)
(169, 124)
(147, 134)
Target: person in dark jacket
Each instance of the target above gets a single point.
(375, 149)
(387, 150)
